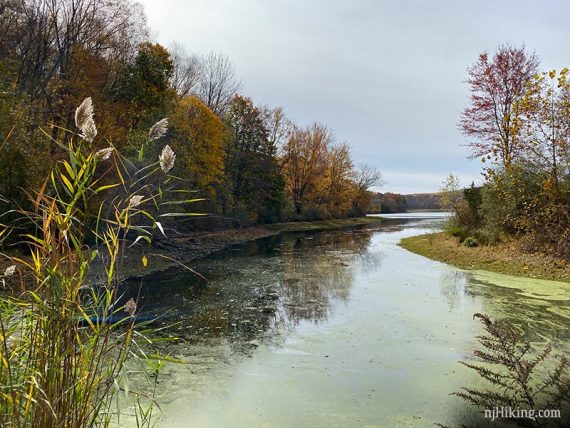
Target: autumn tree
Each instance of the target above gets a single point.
(364, 177)
(450, 193)
(279, 127)
(336, 189)
(58, 52)
(42, 36)
(496, 83)
(188, 70)
(198, 141)
(90, 75)
(304, 163)
(143, 86)
(253, 179)
(319, 174)
(211, 78)
(23, 147)
(55, 52)
(544, 127)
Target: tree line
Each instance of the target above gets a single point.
(249, 162)
(397, 203)
(518, 125)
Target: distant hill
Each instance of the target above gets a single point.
(395, 202)
(423, 201)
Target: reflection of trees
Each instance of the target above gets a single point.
(317, 270)
(538, 318)
(260, 291)
(370, 261)
(452, 285)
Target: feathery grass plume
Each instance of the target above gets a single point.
(84, 120)
(84, 113)
(158, 129)
(89, 131)
(104, 154)
(10, 270)
(166, 159)
(135, 201)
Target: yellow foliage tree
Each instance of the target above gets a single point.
(318, 174)
(544, 127)
(339, 189)
(198, 142)
(304, 162)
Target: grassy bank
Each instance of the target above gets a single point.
(502, 258)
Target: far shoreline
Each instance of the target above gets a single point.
(181, 250)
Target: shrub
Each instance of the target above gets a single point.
(470, 242)
(472, 198)
(460, 232)
(520, 203)
(517, 375)
(549, 230)
(510, 199)
(487, 237)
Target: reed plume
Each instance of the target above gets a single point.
(10, 270)
(84, 120)
(104, 154)
(135, 201)
(158, 130)
(167, 158)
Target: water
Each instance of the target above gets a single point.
(423, 215)
(334, 329)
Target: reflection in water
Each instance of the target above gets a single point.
(453, 285)
(542, 320)
(344, 327)
(259, 290)
(317, 271)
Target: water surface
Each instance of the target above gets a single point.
(334, 329)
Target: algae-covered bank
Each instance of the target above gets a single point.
(337, 328)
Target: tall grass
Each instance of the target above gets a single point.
(64, 340)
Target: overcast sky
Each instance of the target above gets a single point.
(386, 76)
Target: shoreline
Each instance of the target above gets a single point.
(178, 251)
(504, 258)
(169, 252)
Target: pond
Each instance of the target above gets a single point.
(334, 329)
